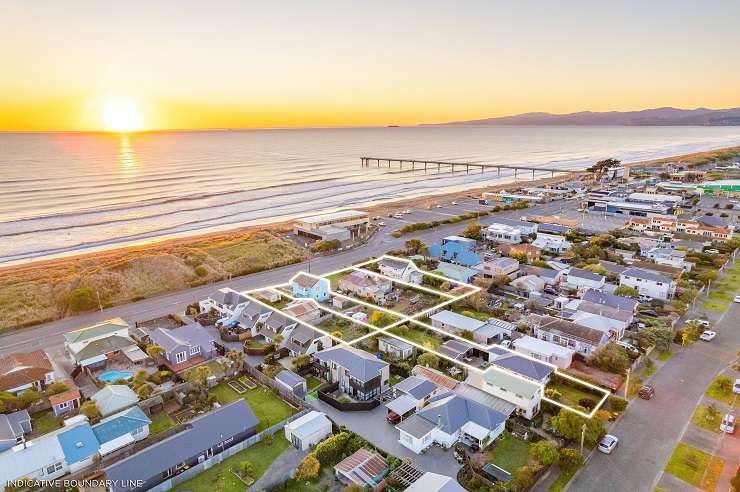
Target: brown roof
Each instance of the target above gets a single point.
(517, 248)
(436, 377)
(371, 464)
(23, 368)
(69, 395)
(605, 311)
(304, 281)
(300, 309)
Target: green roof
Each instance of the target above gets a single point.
(103, 346)
(94, 331)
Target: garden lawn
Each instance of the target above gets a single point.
(562, 480)
(716, 392)
(219, 477)
(266, 405)
(689, 464)
(700, 418)
(160, 423)
(45, 422)
(571, 395)
(664, 356)
(509, 453)
(419, 336)
(313, 382)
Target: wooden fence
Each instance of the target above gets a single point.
(345, 406)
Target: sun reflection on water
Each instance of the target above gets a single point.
(127, 157)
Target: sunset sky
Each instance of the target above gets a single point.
(77, 65)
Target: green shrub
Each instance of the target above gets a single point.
(81, 299)
(617, 404)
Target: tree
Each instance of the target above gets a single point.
(247, 470)
(414, 246)
(237, 357)
(570, 459)
(29, 397)
(308, 469)
(659, 337)
(154, 351)
(568, 424)
(144, 391)
(301, 361)
(429, 360)
(523, 478)
(610, 357)
(329, 245)
(201, 375)
(380, 318)
(467, 334)
(140, 377)
(445, 286)
(278, 340)
(81, 299)
(502, 280)
(626, 291)
(90, 410)
(329, 451)
(544, 452)
(56, 388)
(520, 257)
(472, 231)
(600, 167)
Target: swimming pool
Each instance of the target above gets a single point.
(112, 376)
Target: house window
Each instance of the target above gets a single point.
(180, 357)
(195, 350)
(64, 405)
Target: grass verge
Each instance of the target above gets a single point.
(705, 419)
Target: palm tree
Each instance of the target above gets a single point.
(237, 357)
(154, 350)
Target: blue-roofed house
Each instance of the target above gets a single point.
(79, 445)
(202, 438)
(449, 418)
(456, 249)
(310, 287)
(456, 272)
(292, 382)
(121, 429)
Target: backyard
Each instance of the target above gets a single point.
(266, 405)
(220, 477)
(570, 394)
(425, 338)
(44, 422)
(348, 330)
(509, 453)
(160, 423)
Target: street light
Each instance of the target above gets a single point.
(583, 436)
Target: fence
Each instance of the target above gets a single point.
(345, 406)
(227, 453)
(284, 393)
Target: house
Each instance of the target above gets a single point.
(359, 374)
(292, 382)
(434, 482)
(545, 351)
(532, 252)
(22, 371)
(612, 268)
(113, 398)
(456, 272)
(268, 295)
(400, 270)
(121, 429)
(579, 338)
(204, 437)
(528, 283)
(524, 366)
(418, 389)
(580, 279)
(79, 445)
(438, 378)
(363, 467)
(493, 331)
(248, 318)
(304, 285)
(305, 340)
(553, 229)
(671, 257)
(457, 350)
(449, 418)
(606, 299)
(307, 431)
(548, 275)
(525, 228)
(184, 347)
(39, 459)
(456, 249)
(452, 322)
(363, 284)
(604, 318)
(13, 428)
(394, 347)
(91, 347)
(343, 225)
(504, 234)
(276, 324)
(304, 310)
(225, 301)
(65, 402)
(552, 243)
(498, 267)
(648, 283)
(522, 392)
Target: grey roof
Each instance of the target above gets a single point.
(254, 310)
(513, 222)
(14, 424)
(605, 311)
(569, 329)
(394, 342)
(433, 482)
(612, 267)
(454, 348)
(114, 397)
(646, 275)
(712, 221)
(539, 271)
(552, 228)
(228, 297)
(604, 298)
(585, 274)
(504, 262)
(278, 321)
(417, 387)
(417, 426)
(360, 364)
(688, 244)
(103, 346)
(450, 412)
(302, 334)
(192, 334)
(457, 320)
(393, 263)
(484, 398)
(290, 378)
(200, 434)
(521, 365)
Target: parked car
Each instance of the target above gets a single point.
(708, 335)
(453, 203)
(728, 424)
(505, 344)
(438, 206)
(737, 299)
(647, 392)
(398, 216)
(700, 322)
(736, 388)
(393, 417)
(381, 224)
(712, 251)
(608, 443)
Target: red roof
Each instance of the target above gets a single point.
(23, 368)
(69, 395)
(371, 464)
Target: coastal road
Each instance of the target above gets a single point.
(49, 335)
(649, 430)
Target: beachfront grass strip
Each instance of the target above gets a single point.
(267, 406)
(221, 476)
(160, 423)
(706, 420)
(689, 464)
(509, 453)
(721, 389)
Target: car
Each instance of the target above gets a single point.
(736, 388)
(608, 443)
(737, 299)
(700, 322)
(505, 344)
(453, 203)
(398, 216)
(381, 224)
(708, 335)
(647, 392)
(393, 417)
(438, 206)
(728, 424)
(407, 211)
(712, 251)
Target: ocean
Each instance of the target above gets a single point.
(72, 192)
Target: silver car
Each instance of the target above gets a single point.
(608, 443)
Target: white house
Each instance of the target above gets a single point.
(395, 348)
(93, 345)
(525, 394)
(225, 301)
(648, 283)
(544, 351)
(455, 323)
(449, 418)
(580, 279)
(400, 269)
(434, 482)
(670, 257)
(607, 319)
(552, 243)
(581, 339)
(498, 267)
(501, 233)
(307, 431)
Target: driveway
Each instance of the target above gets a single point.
(373, 426)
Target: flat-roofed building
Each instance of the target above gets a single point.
(343, 225)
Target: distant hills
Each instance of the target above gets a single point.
(646, 117)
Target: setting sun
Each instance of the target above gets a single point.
(121, 115)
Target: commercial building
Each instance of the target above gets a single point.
(343, 225)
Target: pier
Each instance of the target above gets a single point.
(422, 164)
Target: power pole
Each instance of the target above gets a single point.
(627, 385)
(583, 436)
